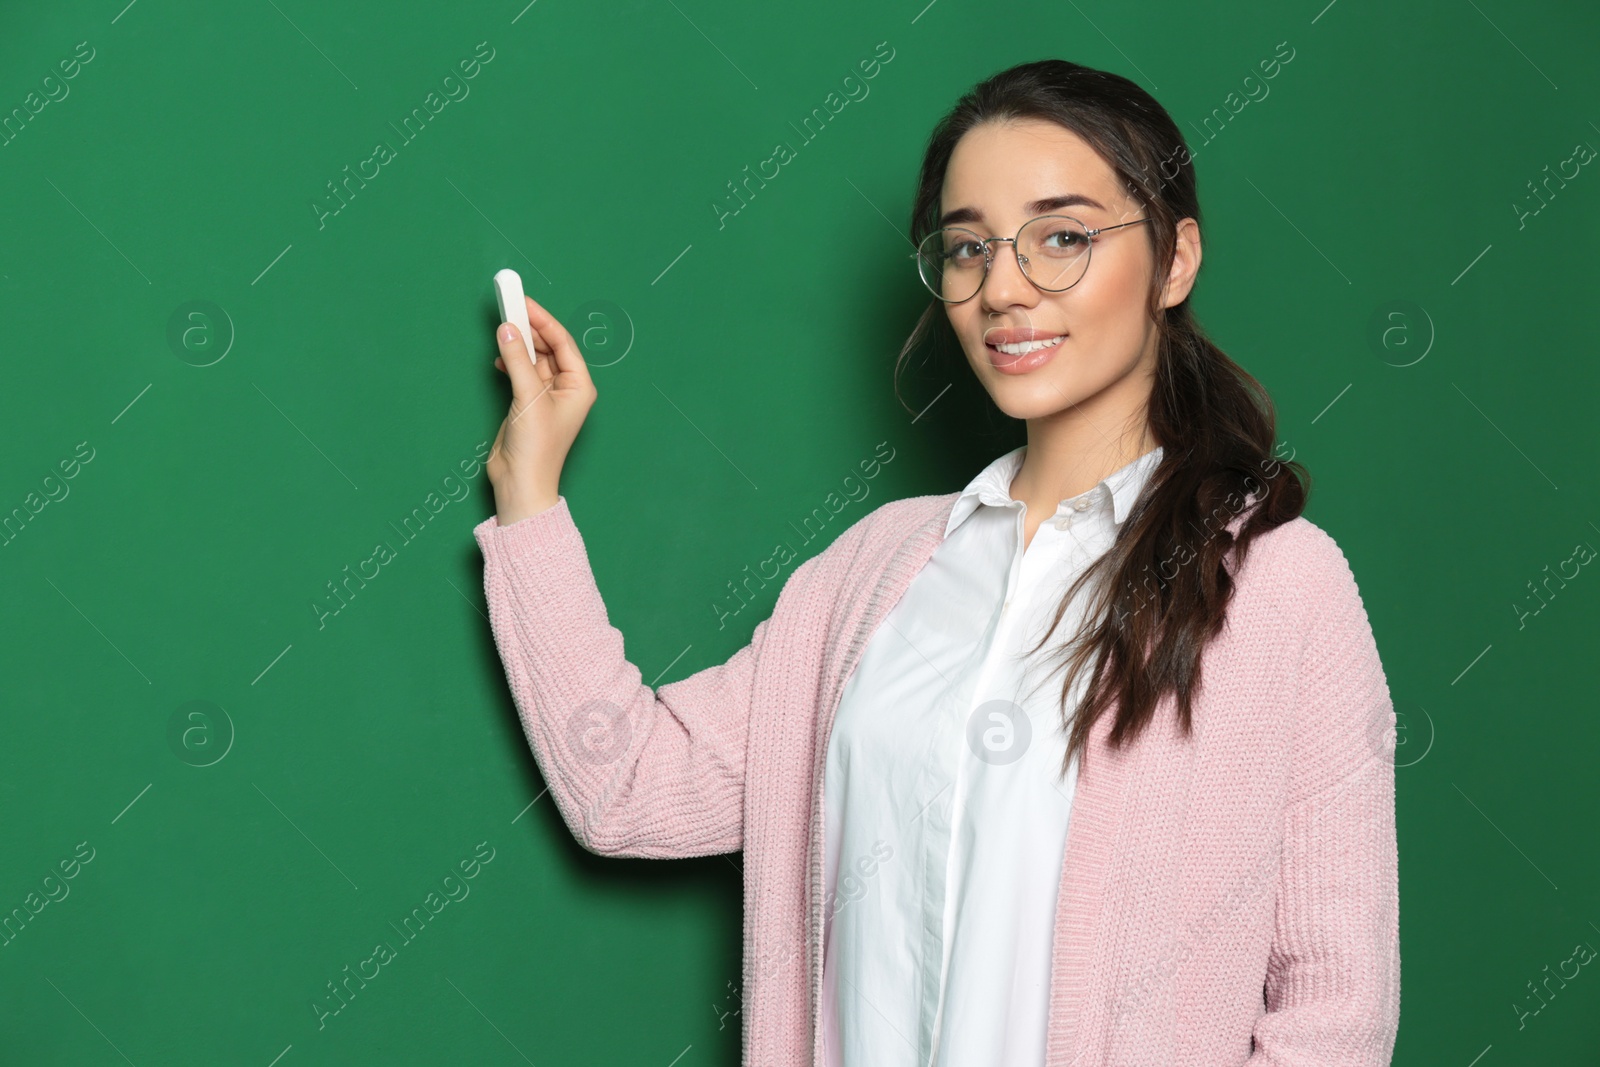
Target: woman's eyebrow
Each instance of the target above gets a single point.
(1037, 207)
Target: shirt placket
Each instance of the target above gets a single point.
(1013, 606)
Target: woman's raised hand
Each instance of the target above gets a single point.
(549, 400)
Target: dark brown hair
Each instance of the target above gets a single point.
(1161, 591)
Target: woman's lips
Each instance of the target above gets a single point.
(1006, 363)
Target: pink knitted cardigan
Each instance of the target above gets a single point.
(1227, 898)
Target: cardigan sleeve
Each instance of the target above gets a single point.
(634, 772)
(1332, 991)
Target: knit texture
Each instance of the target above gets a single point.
(1230, 897)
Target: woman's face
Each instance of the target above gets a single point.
(1104, 360)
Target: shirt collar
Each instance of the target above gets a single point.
(993, 486)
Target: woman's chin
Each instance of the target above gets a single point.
(1032, 399)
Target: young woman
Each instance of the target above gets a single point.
(1181, 852)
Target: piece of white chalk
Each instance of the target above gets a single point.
(514, 307)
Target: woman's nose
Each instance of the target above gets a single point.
(1005, 283)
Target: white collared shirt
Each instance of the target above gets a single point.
(946, 813)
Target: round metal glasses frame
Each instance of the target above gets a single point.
(1022, 260)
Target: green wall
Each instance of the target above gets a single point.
(252, 391)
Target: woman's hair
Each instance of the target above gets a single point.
(1162, 589)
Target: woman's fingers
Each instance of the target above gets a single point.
(554, 339)
(516, 361)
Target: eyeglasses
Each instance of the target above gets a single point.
(1052, 250)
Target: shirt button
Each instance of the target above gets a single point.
(1081, 505)
(1063, 522)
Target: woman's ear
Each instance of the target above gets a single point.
(1185, 263)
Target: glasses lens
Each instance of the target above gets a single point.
(1054, 250)
(951, 263)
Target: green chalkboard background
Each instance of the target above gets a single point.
(251, 390)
